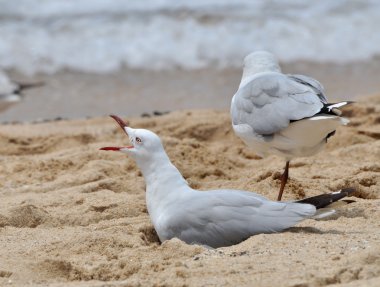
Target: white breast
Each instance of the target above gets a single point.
(301, 138)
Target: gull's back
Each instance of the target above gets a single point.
(271, 100)
(268, 103)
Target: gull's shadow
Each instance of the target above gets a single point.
(313, 230)
(348, 213)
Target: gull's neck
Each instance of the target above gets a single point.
(158, 171)
(164, 185)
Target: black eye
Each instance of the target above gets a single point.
(138, 140)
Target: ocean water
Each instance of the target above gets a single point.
(101, 36)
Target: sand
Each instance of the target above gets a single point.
(71, 215)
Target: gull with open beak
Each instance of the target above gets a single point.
(279, 114)
(214, 218)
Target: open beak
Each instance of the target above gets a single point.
(121, 123)
(123, 126)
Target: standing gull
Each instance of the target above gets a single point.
(285, 115)
(214, 218)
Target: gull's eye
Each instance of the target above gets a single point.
(138, 140)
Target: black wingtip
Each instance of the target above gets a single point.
(25, 86)
(348, 191)
(323, 200)
(333, 108)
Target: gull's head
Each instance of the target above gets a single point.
(144, 143)
(261, 61)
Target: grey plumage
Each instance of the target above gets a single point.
(271, 100)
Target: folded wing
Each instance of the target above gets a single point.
(225, 217)
(270, 101)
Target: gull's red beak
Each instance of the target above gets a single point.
(114, 148)
(123, 125)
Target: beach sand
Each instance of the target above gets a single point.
(71, 215)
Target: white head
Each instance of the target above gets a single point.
(144, 143)
(147, 150)
(259, 62)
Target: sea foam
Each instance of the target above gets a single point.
(101, 36)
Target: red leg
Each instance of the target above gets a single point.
(284, 179)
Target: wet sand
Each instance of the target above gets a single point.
(71, 215)
(69, 94)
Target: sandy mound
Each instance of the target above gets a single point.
(71, 215)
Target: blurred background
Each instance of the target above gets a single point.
(131, 57)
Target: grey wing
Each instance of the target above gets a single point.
(225, 217)
(269, 102)
(313, 83)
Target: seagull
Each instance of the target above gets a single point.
(282, 114)
(11, 92)
(212, 218)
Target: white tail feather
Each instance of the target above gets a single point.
(337, 105)
(323, 213)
